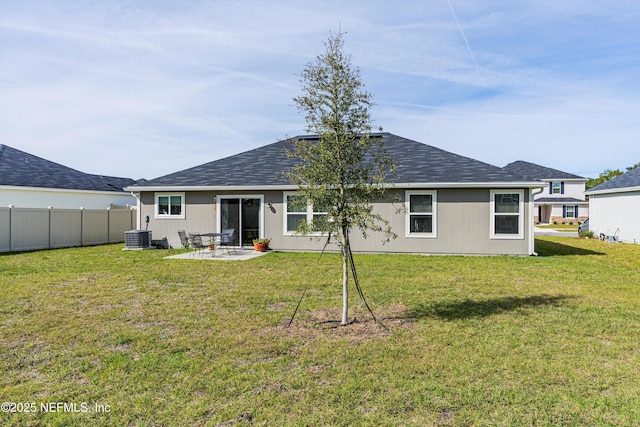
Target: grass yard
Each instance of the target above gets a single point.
(504, 341)
(560, 227)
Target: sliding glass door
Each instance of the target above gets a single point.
(243, 214)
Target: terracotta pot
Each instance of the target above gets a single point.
(260, 247)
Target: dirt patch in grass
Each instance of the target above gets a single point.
(325, 323)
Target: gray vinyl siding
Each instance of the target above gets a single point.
(463, 228)
(200, 216)
(463, 224)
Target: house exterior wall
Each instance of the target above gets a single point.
(26, 197)
(616, 213)
(200, 216)
(463, 218)
(553, 212)
(572, 188)
(463, 228)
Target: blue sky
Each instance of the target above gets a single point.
(146, 88)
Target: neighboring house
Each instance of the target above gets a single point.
(28, 181)
(454, 204)
(561, 200)
(614, 207)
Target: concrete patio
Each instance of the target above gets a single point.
(218, 255)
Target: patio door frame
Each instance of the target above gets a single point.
(240, 197)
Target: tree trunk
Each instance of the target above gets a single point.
(345, 277)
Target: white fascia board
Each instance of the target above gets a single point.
(613, 190)
(579, 202)
(524, 184)
(212, 188)
(63, 190)
(548, 180)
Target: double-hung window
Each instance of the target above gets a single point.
(299, 211)
(421, 213)
(507, 214)
(570, 211)
(557, 187)
(169, 205)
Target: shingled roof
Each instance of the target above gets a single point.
(264, 166)
(628, 180)
(536, 172)
(21, 169)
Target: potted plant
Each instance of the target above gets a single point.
(261, 245)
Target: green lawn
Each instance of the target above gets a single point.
(561, 227)
(507, 341)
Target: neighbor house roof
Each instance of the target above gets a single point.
(265, 167)
(21, 169)
(536, 172)
(629, 181)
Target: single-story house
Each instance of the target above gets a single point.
(453, 204)
(562, 199)
(614, 207)
(28, 181)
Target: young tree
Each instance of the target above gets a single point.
(343, 170)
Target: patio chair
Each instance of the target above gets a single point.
(184, 240)
(195, 242)
(226, 240)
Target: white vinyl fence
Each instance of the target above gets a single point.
(25, 229)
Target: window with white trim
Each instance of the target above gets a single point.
(298, 212)
(169, 205)
(507, 214)
(556, 187)
(570, 211)
(421, 213)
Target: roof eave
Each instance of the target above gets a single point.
(564, 179)
(181, 188)
(137, 189)
(123, 192)
(612, 190)
(579, 202)
(494, 184)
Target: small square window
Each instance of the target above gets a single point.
(169, 206)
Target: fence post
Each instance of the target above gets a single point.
(81, 225)
(11, 228)
(50, 227)
(109, 224)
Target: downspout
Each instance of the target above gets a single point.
(532, 226)
(139, 216)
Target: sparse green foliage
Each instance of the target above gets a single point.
(603, 177)
(607, 175)
(344, 169)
